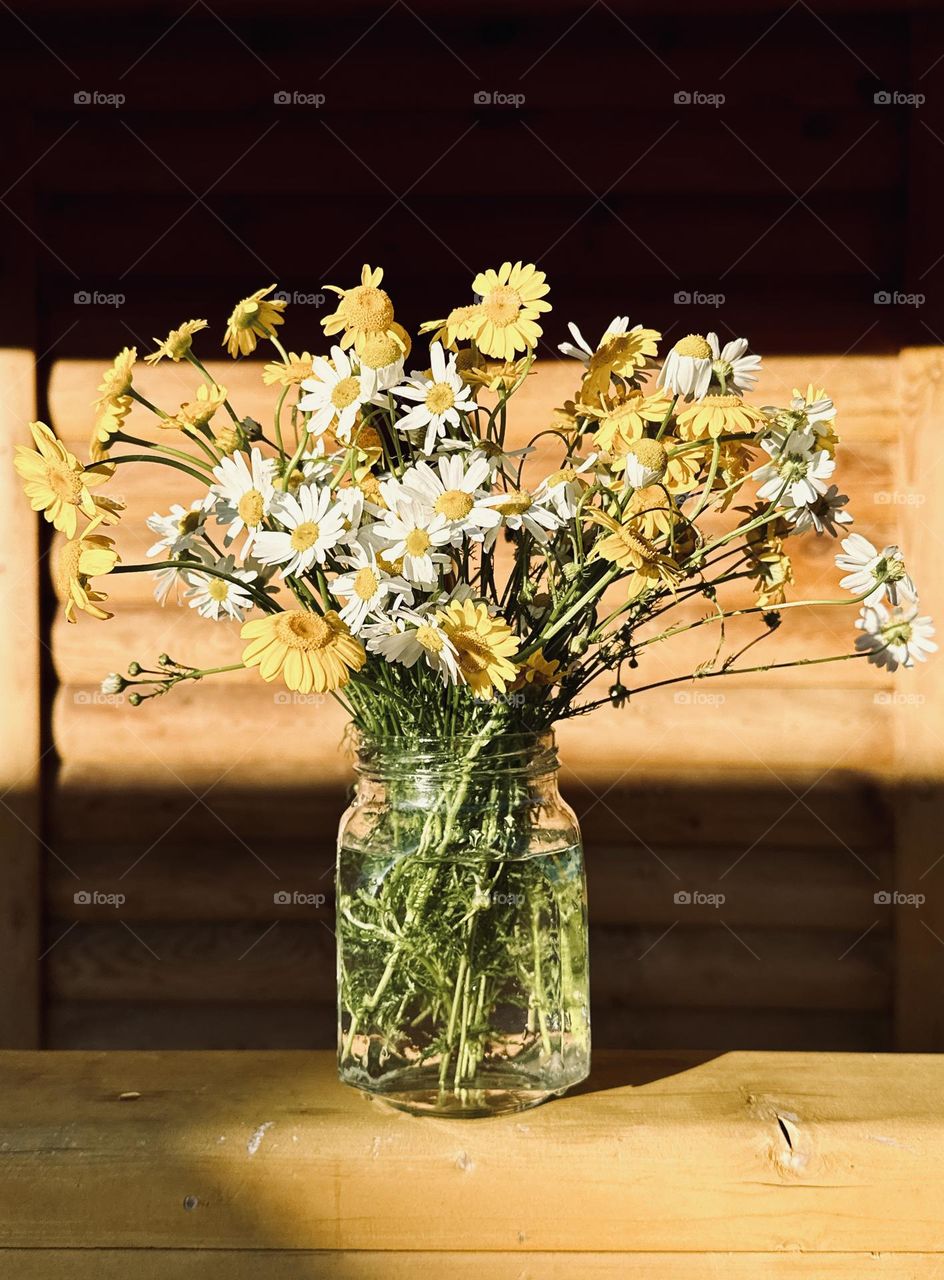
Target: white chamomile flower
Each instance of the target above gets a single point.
(439, 398)
(823, 515)
(411, 636)
(367, 587)
(213, 597)
(336, 392)
(687, 368)
(580, 348)
(797, 474)
(521, 510)
(878, 573)
(411, 532)
(176, 532)
(562, 490)
(243, 494)
(816, 407)
(739, 370)
(455, 491)
(313, 524)
(896, 637)
(113, 684)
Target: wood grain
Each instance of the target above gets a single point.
(697, 1153)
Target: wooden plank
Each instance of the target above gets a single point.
(833, 1153)
(919, 799)
(249, 1264)
(20, 838)
(276, 1024)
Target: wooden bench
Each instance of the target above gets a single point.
(669, 1166)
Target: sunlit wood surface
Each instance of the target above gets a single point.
(670, 1166)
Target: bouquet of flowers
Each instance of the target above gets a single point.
(379, 541)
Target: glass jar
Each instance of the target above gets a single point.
(461, 927)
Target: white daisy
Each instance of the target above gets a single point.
(212, 596)
(817, 412)
(797, 473)
(367, 587)
(313, 524)
(823, 515)
(740, 371)
(896, 637)
(878, 573)
(336, 392)
(455, 491)
(521, 510)
(563, 489)
(580, 348)
(177, 531)
(440, 398)
(412, 636)
(687, 368)
(243, 494)
(411, 532)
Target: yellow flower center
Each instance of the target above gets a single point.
(379, 350)
(304, 536)
(693, 345)
(393, 567)
(251, 507)
(429, 638)
(366, 308)
(650, 454)
(345, 392)
(502, 306)
(454, 504)
(417, 542)
(66, 483)
(189, 522)
(217, 589)
(303, 631)
(365, 584)
(566, 476)
(514, 504)
(440, 397)
(472, 653)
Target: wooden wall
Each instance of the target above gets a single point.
(798, 199)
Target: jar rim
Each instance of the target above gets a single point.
(532, 751)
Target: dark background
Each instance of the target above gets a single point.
(797, 199)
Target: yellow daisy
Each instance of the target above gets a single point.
(177, 343)
(364, 312)
(493, 375)
(684, 466)
(55, 481)
(537, 670)
(108, 422)
(622, 423)
(379, 350)
(310, 653)
(511, 301)
(484, 646)
(460, 325)
(80, 560)
(630, 551)
(622, 354)
(230, 439)
(719, 415)
(254, 317)
(116, 380)
(771, 569)
(197, 413)
(650, 511)
(296, 370)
